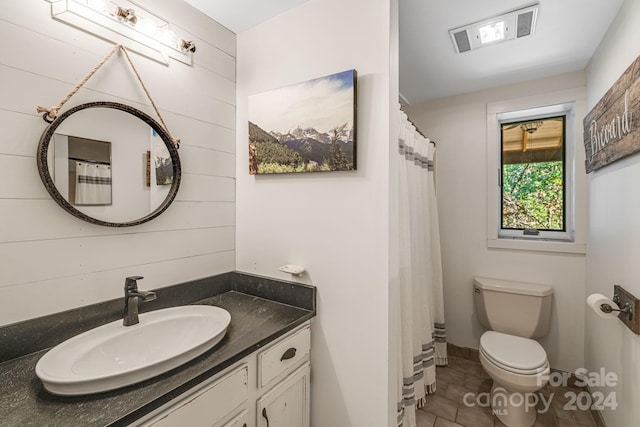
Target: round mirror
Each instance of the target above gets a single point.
(109, 164)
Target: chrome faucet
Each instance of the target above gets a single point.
(132, 297)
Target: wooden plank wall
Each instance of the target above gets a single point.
(51, 261)
(611, 131)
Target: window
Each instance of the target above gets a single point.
(560, 230)
(531, 192)
(533, 176)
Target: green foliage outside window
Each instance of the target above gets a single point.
(532, 196)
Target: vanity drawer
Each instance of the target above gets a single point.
(239, 420)
(209, 405)
(284, 356)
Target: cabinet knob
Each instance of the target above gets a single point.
(264, 414)
(290, 353)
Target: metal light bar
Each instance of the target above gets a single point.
(127, 24)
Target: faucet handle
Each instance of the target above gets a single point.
(131, 283)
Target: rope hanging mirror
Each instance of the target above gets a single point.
(95, 159)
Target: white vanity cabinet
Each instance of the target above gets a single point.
(283, 381)
(209, 405)
(240, 420)
(286, 404)
(268, 388)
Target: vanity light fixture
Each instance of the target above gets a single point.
(508, 26)
(128, 24)
(126, 15)
(187, 46)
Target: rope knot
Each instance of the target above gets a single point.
(49, 113)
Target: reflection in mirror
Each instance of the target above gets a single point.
(81, 169)
(164, 166)
(111, 163)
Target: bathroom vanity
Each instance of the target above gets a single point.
(258, 375)
(270, 385)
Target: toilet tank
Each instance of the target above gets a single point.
(516, 308)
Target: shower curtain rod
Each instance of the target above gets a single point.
(95, 162)
(419, 131)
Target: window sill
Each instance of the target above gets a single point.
(538, 246)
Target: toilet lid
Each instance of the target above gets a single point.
(521, 355)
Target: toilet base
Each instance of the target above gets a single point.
(513, 409)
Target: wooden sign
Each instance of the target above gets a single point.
(612, 128)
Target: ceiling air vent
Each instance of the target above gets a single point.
(462, 41)
(508, 26)
(525, 24)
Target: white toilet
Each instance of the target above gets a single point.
(514, 313)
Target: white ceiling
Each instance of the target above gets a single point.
(567, 34)
(240, 15)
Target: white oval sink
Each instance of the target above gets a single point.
(113, 356)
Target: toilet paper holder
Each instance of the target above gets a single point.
(629, 313)
(606, 308)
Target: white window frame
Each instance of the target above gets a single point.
(556, 104)
(568, 112)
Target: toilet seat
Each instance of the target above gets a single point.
(514, 354)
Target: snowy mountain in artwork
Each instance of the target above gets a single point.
(344, 134)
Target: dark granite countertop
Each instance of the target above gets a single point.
(255, 321)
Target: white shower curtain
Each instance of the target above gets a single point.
(422, 328)
(93, 184)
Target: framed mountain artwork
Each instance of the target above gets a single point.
(305, 127)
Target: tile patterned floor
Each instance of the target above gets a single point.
(446, 407)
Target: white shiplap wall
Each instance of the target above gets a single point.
(51, 261)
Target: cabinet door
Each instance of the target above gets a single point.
(286, 404)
